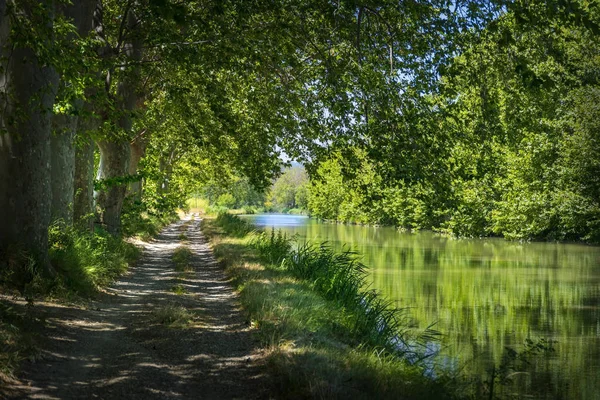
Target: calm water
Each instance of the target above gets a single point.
(486, 295)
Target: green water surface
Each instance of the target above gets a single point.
(486, 295)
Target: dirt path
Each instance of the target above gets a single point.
(118, 349)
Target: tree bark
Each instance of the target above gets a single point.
(63, 168)
(115, 154)
(83, 200)
(27, 87)
(114, 164)
(138, 150)
(65, 127)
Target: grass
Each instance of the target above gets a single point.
(18, 339)
(181, 259)
(173, 316)
(86, 261)
(310, 324)
(178, 289)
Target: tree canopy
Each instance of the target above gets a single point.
(474, 117)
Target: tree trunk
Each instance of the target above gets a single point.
(114, 164)
(83, 201)
(65, 127)
(115, 154)
(63, 168)
(138, 150)
(27, 92)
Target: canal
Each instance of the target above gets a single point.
(485, 295)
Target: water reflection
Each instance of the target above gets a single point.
(486, 294)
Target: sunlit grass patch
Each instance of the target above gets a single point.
(173, 315)
(181, 259)
(178, 289)
(86, 261)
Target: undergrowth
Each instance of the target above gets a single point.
(18, 339)
(326, 336)
(88, 261)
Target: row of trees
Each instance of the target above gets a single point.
(155, 88)
(508, 146)
(103, 98)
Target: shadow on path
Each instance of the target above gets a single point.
(118, 349)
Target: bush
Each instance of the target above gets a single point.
(226, 200)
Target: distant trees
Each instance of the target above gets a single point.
(290, 189)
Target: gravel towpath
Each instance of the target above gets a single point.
(118, 348)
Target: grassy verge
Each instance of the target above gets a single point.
(325, 337)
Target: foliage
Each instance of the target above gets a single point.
(503, 148)
(290, 189)
(87, 261)
(226, 200)
(244, 195)
(140, 222)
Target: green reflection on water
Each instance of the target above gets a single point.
(486, 295)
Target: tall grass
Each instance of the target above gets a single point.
(272, 247)
(341, 277)
(324, 335)
(86, 261)
(233, 225)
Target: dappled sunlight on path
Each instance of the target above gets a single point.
(125, 345)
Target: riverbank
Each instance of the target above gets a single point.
(312, 349)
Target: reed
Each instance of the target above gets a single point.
(341, 277)
(233, 225)
(325, 334)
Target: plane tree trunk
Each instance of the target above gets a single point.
(138, 150)
(115, 152)
(63, 168)
(112, 171)
(27, 92)
(83, 200)
(65, 127)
